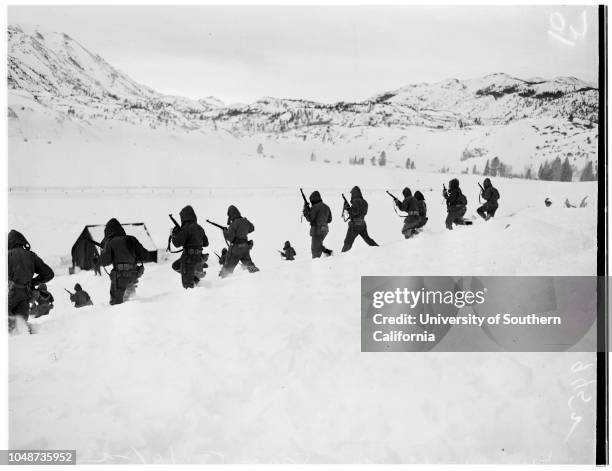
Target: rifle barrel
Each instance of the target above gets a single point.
(392, 195)
(174, 220)
(306, 203)
(223, 228)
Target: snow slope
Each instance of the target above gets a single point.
(267, 367)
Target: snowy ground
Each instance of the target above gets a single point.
(267, 367)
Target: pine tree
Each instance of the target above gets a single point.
(260, 149)
(313, 157)
(487, 170)
(474, 170)
(555, 169)
(494, 166)
(412, 166)
(587, 174)
(382, 160)
(408, 162)
(528, 173)
(566, 171)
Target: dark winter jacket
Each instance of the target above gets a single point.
(24, 264)
(421, 204)
(358, 207)
(490, 193)
(409, 205)
(319, 214)
(239, 227)
(190, 235)
(454, 196)
(80, 298)
(288, 251)
(120, 247)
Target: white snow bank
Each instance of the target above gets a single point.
(268, 368)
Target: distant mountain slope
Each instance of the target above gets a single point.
(53, 76)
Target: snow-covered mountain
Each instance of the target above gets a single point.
(54, 82)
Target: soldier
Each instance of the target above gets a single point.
(422, 209)
(490, 194)
(23, 264)
(319, 216)
(239, 249)
(126, 254)
(288, 252)
(357, 210)
(80, 298)
(411, 208)
(456, 204)
(192, 238)
(42, 301)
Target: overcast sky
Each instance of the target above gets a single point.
(324, 53)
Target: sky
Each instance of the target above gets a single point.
(324, 53)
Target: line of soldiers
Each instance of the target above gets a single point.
(27, 273)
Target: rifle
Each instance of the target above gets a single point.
(223, 228)
(218, 256)
(176, 224)
(481, 191)
(98, 244)
(345, 206)
(392, 196)
(68, 292)
(306, 209)
(306, 203)
(444, 191)
(280, 252)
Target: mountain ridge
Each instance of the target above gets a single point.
(51, 73)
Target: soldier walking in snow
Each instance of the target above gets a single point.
(288, 252)
(319, 216)
(422, 209)
(126, 254)
(411, 208)
(240, 247)
(80, 298)
(191, 236)
(490, 194)
(23, 264)
(357, 210)
(456, 204)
